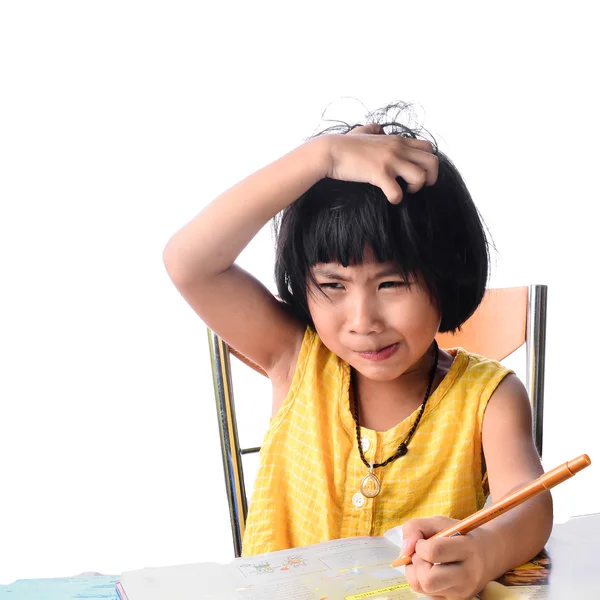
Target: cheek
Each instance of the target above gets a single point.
(320, 307)
(326, 321)
(415, 313)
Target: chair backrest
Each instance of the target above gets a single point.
(506, 319)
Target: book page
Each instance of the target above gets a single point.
(352, 568)
(359, 569)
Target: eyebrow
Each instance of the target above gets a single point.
(332, 274)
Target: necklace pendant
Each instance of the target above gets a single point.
(370, 486)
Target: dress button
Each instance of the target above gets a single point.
(358, 500)
(365, 443)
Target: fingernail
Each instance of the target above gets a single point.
(404, 547)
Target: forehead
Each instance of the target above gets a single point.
(369, 261)
(369, 268)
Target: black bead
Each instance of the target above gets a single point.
(403, 447)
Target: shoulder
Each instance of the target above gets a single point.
(509, 403)
(507, 436)
(477, 374)
(481, 364)
(313, 362)
(505, 416)
(503, 391)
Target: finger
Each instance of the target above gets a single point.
(413, 580)
(413, 174)
(372, 128)
(418, 529)
(444, 550)
(423, 145)
(390, 187)
(427, 161)
(442, 580)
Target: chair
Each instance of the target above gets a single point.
(506, 319)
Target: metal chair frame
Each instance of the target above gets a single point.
(535, 342)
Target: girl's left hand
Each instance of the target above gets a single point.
(444, 568)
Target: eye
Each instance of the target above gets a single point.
(331, 286)
(393, 284)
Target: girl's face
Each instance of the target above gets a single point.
(371, 317)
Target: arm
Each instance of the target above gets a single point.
(467, 563)
(512, 461)
(200, 257)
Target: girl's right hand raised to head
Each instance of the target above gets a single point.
(367, 155)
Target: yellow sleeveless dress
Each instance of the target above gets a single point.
(310, 470)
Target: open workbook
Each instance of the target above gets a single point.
(347, 569)
(352, 568)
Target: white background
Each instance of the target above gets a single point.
(120, 120)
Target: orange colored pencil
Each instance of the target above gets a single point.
(537, 486)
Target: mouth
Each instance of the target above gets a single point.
(380, 354)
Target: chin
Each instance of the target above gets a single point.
(378, 372)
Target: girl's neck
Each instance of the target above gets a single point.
(384, 404)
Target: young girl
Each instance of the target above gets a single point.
(379, 248)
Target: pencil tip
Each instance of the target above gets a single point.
(402, 561)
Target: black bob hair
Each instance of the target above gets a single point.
(435, 235)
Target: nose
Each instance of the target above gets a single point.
(364, 316)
